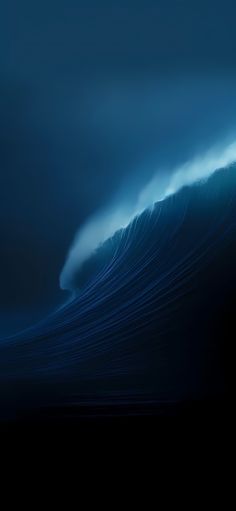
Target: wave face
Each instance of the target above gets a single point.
(152, 318)
(104, 226)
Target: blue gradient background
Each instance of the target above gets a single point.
(95, 100)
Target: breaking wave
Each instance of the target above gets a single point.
(154, 312)
(103, 226)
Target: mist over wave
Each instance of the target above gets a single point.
(103, 226)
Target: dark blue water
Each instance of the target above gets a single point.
(151, 323)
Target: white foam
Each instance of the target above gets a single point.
(103, 226)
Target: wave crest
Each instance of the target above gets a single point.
(103, 226)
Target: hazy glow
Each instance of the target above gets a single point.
(103, 226)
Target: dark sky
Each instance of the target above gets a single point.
(94, 96)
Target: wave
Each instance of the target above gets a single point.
(103, 226)
(151, 319)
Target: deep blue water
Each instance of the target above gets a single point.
(151, 321)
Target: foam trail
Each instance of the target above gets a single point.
(103, 226)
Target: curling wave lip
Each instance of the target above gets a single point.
(104, 226)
